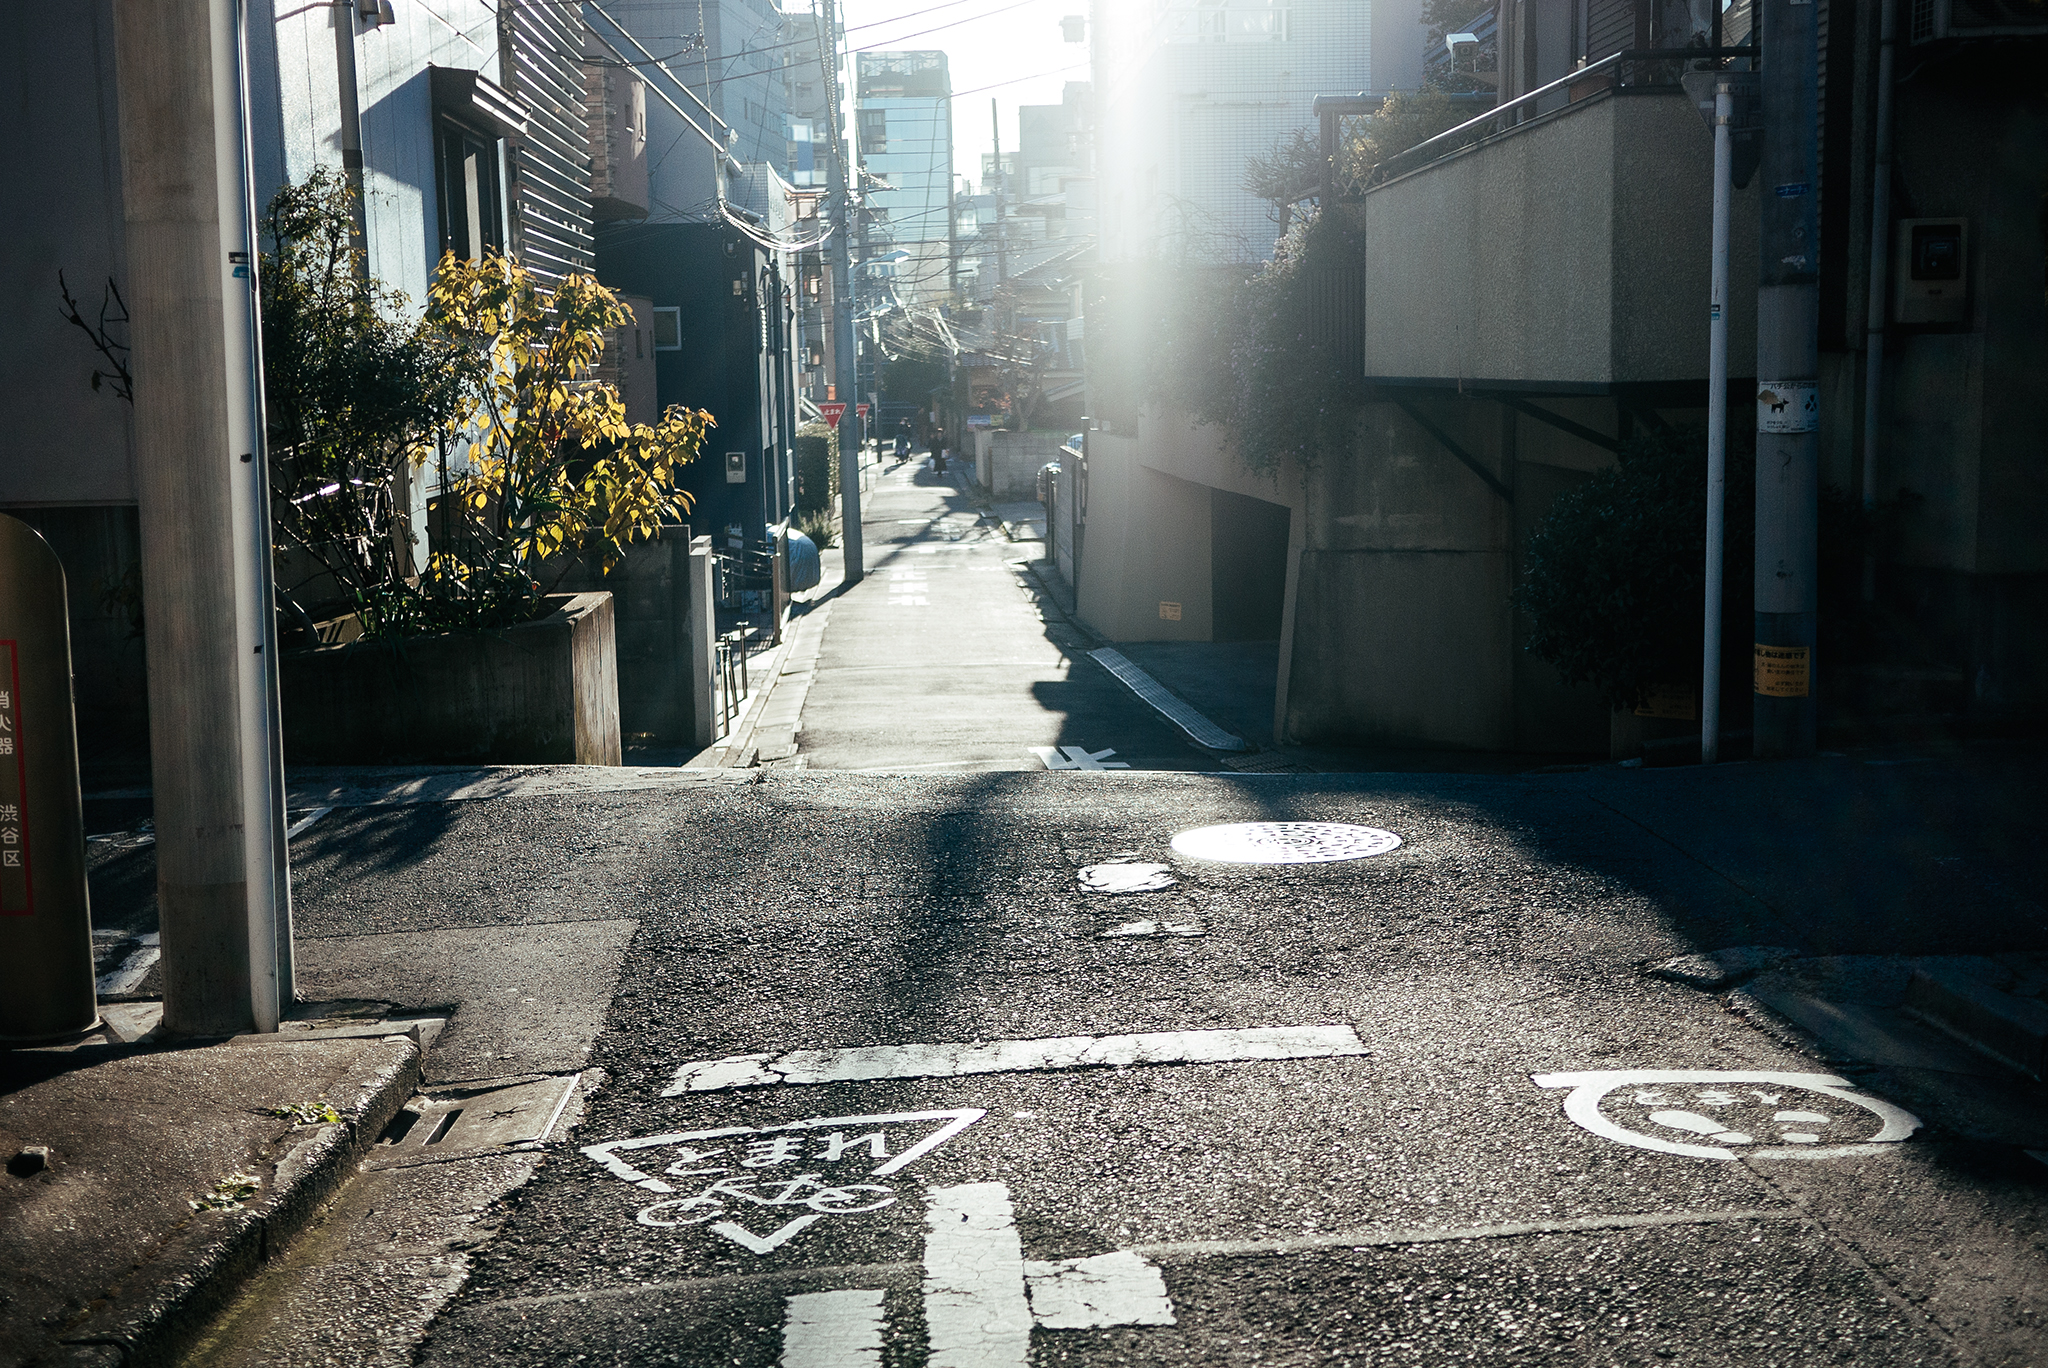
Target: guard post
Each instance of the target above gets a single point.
(46, 982)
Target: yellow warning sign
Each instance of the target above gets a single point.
(1169, 612)
(1673, 701)
(1784, 671)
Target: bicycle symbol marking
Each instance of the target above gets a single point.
(824, 1198)
(715, 1177)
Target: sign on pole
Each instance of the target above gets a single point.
(862, 410)
(833, 411)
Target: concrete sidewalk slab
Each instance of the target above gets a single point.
(170, 1178)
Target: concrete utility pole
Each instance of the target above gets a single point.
(1788, 393)
(847, 380)
(201, 482)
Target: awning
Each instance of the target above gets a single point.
(476, 99)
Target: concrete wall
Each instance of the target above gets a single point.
(1403, 633)
(1146, 543)
(545, 692)
(1574, 250)
(1007, 462)
(651, 610)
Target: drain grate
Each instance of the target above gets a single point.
(1199, 728)
(514, 1115)
(1284, 842)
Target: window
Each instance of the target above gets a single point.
(668, 329)
(874, 130)
(471, 201)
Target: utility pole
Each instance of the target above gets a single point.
(350, 100)
(1788, 392)
(1717, 421)
(996, 126)
(847, 381)
(202, 484)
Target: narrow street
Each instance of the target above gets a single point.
(948, 657)
(994, 1069)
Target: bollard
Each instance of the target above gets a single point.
(46, 983)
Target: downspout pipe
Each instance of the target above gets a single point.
(350, 101)
(1880, 276)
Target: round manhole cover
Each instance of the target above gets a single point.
(1284, 842)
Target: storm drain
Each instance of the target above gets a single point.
(1284, 842)
(1200, 729)
(519, 1113)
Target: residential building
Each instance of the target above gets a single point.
(1533, 295)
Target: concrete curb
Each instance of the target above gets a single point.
(2011, 1030)
(194, 1275)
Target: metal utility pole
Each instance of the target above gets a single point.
(1717, 422)
(201, 480)
(1879, 302)
(847, 381)
(1788, 392)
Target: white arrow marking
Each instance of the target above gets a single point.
(745, 1238)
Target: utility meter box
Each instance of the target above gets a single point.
(735, 467)
(1931, 271)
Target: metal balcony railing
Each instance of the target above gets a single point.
(1344, 120)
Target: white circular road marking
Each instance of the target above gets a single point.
(1284, 842)
(1712, 1114)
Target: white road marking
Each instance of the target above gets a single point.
(975, 1310)
(132, 970)
(1149, 927)
(863, 1062)
(296, 827)
(909, 601)
(1125, 876)
(1076, 758)
(832, 1330)
(764, 1244)
(1088, 1294)
(1663, 1098)
(608, 1154)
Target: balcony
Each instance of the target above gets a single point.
(1566, 252)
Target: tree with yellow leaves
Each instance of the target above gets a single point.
(544, 464)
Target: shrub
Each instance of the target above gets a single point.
(1614, 580)
(817, 467)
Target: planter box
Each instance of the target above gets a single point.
(545, 692)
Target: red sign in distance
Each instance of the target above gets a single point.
(861, 409)
(833, 411)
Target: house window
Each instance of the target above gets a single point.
(472, 200)
(668, 329)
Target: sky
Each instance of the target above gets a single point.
(989, 46)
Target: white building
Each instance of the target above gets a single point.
(1190, 90)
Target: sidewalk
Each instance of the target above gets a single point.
(146, 1183)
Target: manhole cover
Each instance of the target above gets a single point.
(1284, 842)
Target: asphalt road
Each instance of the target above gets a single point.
(1414, 1196)
(947, 658)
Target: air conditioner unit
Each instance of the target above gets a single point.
(1934, 20)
